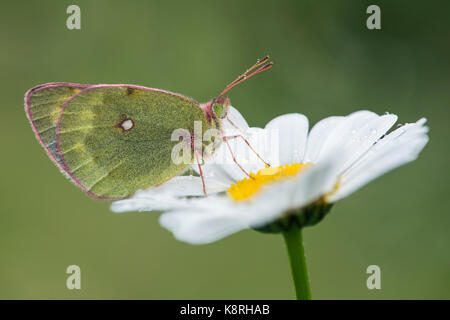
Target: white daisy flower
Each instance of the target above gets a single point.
(309, 172)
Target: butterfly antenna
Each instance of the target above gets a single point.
(258, 63)
(262, 65)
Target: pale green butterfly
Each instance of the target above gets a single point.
(112, 140)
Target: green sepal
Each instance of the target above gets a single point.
(298, 218)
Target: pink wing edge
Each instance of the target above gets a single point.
(65, 167)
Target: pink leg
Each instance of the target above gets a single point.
(245, 140)
(234, 158)
(249, 145)
(224, 138)
(232, 123)
(200, 172)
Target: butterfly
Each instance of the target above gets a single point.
(114, 139)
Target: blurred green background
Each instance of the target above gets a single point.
(327, 63)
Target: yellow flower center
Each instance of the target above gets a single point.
(247, 187)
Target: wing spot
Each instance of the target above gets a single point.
(130, 91)
(126, 124)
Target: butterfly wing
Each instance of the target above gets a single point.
(43, 105)
(113, 140)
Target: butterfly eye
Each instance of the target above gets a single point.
(219, 110)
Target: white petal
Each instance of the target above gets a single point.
(365, 137)
(183, 186)
(292, 131)
(344, 132)
(199, 226)
(168, 195)
(148, 203)
(236, 117)
(318, 137)
(217, 217)
(397, 148)
(212, 170)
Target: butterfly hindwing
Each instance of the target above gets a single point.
(116, 139)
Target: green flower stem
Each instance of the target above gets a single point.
(294, 244)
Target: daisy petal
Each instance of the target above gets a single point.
(365, 137)
(201, 225)
(183, 186)
(141, 202)
(292, 132)
(318, 136)
(343, 132)
(212, 170)
(397, 148)
(236, 117)
(168, 194)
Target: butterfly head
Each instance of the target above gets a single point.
(216, 108)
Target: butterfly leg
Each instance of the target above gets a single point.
(235, 126)
(200, 172)
(249, 145)
(234, 158)
(224, 138)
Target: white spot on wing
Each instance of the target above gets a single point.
(127, 124)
